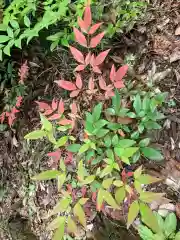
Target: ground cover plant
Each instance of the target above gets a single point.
(94, 148)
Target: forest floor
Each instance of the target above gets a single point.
(153, 48)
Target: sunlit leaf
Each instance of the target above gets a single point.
(120, 195)
(152, 154)
(109, 199)
(170, 224)
(61, 179)
(80, 171)
(94, 28)
(84, 148)
(101, 57)
(147, 179)
(56, 223)
(61, 206)
(83, 201)
(96, 40)
(149, 197)
(71, 225)
(137, 104)
(118, 183)
(37, 134)
(80, 38)
(47, 175)
(47, 125)
(79, 212)
(107, 183)
(138, 186)
(89, 180)
(77, 55)
(59, 232)
(62, 141)
(132, 213)
(97, 112)
(125, 143)
(74, 148)
(99, 199)
(138, 172)
(107, 170)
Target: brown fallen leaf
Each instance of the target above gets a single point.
(178, 210)
(175, 56)
(124, 120)
(177, 32)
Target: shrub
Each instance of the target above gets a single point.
(92, 163)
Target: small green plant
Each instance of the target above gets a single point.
(167, 229)
(92, 168)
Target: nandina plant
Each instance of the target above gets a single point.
(89, 161)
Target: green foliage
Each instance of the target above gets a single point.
(167, 228)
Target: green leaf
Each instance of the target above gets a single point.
(114, 126)
(137, 186)
(10, 32)
(115, 140)
(147, 179)
(138, 172)
(120, 195)
(152, 125)
(47, 175)
(160, 221)
(177, 237)
(46, 124)
(170, 224)
(74, 148)
(4, 38)
(110, 154)
(107, 170)
(61, 206)
(61, 180)
(107, 183)
(56, 223)
(107, 141)
(148, 217)
(159, 236)
(131, 115)
(89, 180)
(149, 197)
(79, 212)
(100, 199)
(84, 148)
(3, 127)
(118, 183)
(136, 157)
(146, 103)
(14, 24)
(127, 152)
(145, 233)
(116, 101)
(3, 27)
(1, 55)
(144, 142)
(97, 112)
(152, 154)
(17, 43)
(137, 104)
(83, 201)
(7, 50)
(110, 111)
(109, 199)
(59, 232)
(27, 21)
(125, 143)
(71, 226)
(101, 123)
(132, 213)
(61, 142)
(37, 134)
(81, 171)
(101, 133)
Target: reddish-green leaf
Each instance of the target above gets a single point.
(66, 85)
(80, 38)
(148, 217)
(79, 212)
(120, 195)
(121, 73)
(101, 57)
(94, 28)
(96, 40)
(75, 93)
(47, 175)
(55, 155)
(87, 17)
(79, 83)
(77, 55)
(99, 199)
(133, 213)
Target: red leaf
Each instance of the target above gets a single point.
(79, 83)
(2, 117)
(102, 83)
(74, 108)
(61, 107)
(43, 105)
(109, 94)
(101, 57)
(87, 17)
(96, 69)
(96, 40)
(92, 60)
(94, 28)
(79, 68)
(48, 112)
(54, 117)
(113, 73)
(19, 101)
(94, 196)
(82, 25)
(91, 84)
(14, 110)
(69, 158)
(77, 55)
(88, 58)
(121, 73)
(83, 191)
(54, 104)
(56, 155)
(80, 38)
(66, 85)
(65, 122)
(74, 93)
(119, 84)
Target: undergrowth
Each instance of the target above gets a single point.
(97, 136)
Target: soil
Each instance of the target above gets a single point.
(157, 57)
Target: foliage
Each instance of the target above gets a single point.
(167, 229)
(92, 169)
(24, 19)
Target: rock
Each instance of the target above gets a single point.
(165, 209)
(177, 32)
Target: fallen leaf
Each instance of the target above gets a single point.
(175, 56)
(177, 32)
